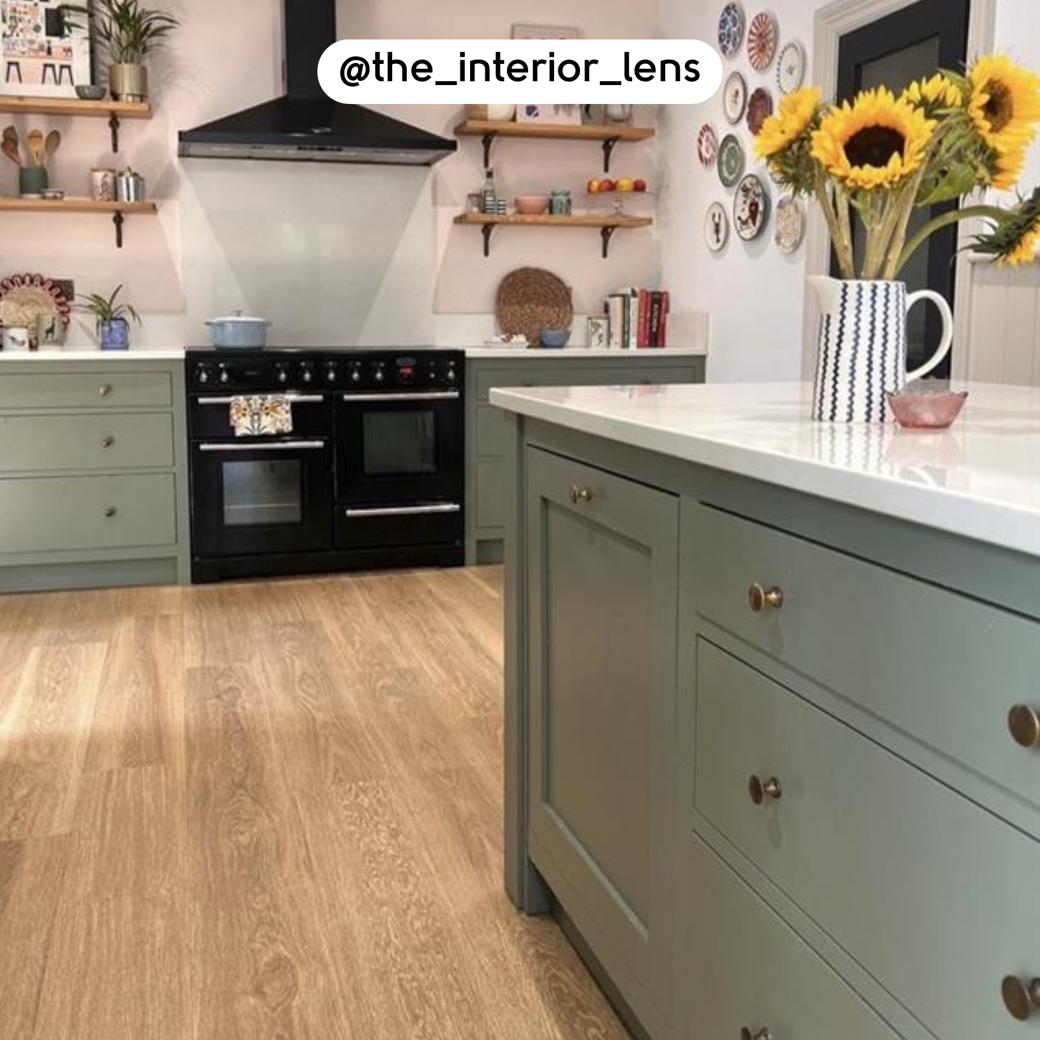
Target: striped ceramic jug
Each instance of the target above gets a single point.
(862, 347)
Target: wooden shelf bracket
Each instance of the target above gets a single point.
(487, 140)
(606, 234)
(118, 219)
(608, 150)
(486, 232)
(113, 125)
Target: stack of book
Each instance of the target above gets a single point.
(638, 318)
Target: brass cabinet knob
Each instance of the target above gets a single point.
(764, 790)
(1024, 725)
(761, 599)
(105, 389)
(107, 442)
(762, 1034)
(111, 512)
(1020, 998)
(581, 494)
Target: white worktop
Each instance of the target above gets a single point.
(546, 353)
(979, 479)
(173, 354)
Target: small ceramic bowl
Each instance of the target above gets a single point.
(53, 194)
(90, 92)
(926, 409)
(555, 338)
(531, 205)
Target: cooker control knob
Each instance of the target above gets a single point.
(225, 376)
(451, 375)
(330, 373)
(202, 375)
(306, 373)
(355, 374)
(380, 375)
(283, 376)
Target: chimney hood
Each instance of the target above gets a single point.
(306, 125)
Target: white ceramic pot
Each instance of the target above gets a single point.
(501, 113)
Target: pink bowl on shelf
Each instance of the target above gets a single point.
(531, 205)
(926, 409)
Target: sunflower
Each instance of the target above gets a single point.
(874, 142)
(796, 115)
(1004, 105)
(1005, 168)
(933, 94)
(1016, 234)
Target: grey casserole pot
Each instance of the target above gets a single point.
(240, 332)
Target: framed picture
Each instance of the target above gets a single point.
(597, 335)
(544, 32)
(41, 53)
(563, 115)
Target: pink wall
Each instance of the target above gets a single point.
(333, 255)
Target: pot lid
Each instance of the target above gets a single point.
(238, 318)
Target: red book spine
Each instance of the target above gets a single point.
(666, 306)
(644, 318)
(655, 318)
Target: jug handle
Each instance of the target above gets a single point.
(947, 334)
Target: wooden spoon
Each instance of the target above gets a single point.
(53, 144)
(10, 149)
(34, 139)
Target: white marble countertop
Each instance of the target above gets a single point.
(73, 355)
(979, 479)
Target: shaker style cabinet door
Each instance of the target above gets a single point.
(603, 591)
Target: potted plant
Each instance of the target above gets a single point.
(885, 155)
(128, 33)
(112, 319)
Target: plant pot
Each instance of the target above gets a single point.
(115, 334)
(862, 347)
(32, 180)
(128, 82)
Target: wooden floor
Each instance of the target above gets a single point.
(266, 811)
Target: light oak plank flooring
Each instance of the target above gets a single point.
(267, 811)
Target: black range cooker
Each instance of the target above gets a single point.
(371, 474)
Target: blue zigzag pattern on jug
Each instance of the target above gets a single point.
(868, 382)
(839, 342)
(821, 366)
(886, 332)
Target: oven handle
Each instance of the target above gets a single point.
(447, 507)
(269, 446)
(291, 398)
(435, 395)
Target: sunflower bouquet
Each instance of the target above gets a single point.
(884, 156)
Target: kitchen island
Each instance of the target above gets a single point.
(773, 708)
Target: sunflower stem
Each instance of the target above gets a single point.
(936, 224)
(842, 246)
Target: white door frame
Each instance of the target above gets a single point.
(832, 22)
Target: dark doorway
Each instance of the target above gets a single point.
(892, 52)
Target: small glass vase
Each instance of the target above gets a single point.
(115, 334)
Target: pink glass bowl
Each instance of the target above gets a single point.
(926, 409)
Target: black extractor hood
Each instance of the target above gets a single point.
(306, 125)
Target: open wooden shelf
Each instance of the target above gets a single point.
(607, 223)
(609, 133)
(118, 210)
(113, 111)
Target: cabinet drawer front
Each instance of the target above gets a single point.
(749, 970)
(104, 390)
(933, 895)
(491, 493)
(49, 515)
(491, 432)
(85, 442)
(923, 659)
(552, 373)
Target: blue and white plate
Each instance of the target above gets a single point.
(731, 29)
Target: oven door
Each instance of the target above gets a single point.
(209, 415)
(399, 449)
(261, 497)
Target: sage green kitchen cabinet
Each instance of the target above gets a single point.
(603, 556)
(93, 473)
(485, 436)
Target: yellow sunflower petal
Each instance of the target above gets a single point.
(1005, 102)
(796, 113)
(1024, 251)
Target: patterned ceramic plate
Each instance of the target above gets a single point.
(750, 208)
(25, 296)
(790, 69)
(790, 224)
(761, 41)
(731, 29)
(734, 98)
(759, 109)
(716, 226)
(707, 146)
(731, 161)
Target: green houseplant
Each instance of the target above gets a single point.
(111, 317)
(128, 33)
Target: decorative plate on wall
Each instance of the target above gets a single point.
(716, 226)
(707, 146)
(730, 161)
(530, 299)
(734, 97)
(731, 29)
(761, 41)
(759, 109)
(750, 208)
(790, 224)
(23, 297)
(790, 69)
